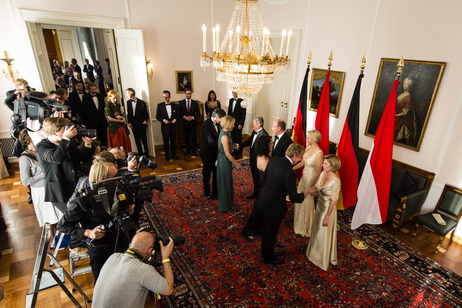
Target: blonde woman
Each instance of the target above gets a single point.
(224, 165)
(312, 163)
(322, 249)
(117, 135)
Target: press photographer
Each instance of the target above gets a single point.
(101, 212)
(127, 277)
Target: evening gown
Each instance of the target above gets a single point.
(322, 248)
(304, 212)
(224, 176)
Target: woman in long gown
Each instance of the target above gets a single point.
(255, 222)
(117, 131)
(211, 104)
(224, 165)
(312, 161)
(322, 248)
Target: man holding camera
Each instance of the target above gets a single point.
(126, 278)
(57, 157)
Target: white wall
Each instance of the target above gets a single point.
(414, 29)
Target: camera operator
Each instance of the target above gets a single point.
(57, 156)
(89, 221)
(21, 88)
(127, 277)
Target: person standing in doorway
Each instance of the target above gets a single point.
(237, 111)
(138, 119)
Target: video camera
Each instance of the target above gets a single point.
(35, 108)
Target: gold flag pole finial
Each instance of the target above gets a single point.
(363, 65)
(329, 64)
(309, 59)
(400, 68)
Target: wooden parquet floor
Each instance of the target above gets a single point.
(19, 242)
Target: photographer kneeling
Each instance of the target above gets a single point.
(127, 277)
(87, 219)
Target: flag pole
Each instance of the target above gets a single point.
(329, 64)
(360, 244)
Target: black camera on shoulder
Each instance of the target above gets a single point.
(35, 108)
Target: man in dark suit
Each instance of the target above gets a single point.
(258, 130)
(280, 181)
(209, 151)
(89, 69)
(189, 112)
(137, 119)
(76, 102)
(167, 114)
(94, 104)
(281, 139)
(59, 160)
(237, 111)
(76, 66)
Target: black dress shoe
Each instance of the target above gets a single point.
(194, 153)
(275, 261)
(212, 197)
(187, 152)
(167, 158)
(252, 196)
(175, 157)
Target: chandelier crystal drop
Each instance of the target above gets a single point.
(245, 59)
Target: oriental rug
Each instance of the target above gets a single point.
(218, 267)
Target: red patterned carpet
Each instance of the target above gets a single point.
(219, 267)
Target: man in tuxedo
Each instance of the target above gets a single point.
(76, 102)
(167, 114)
(237, 111)
(60, 83)
(281, 139)
(258, 130)
(209, 151)
(76, 66)
(280, 182)
(189, 112)
(89, 69)
(137, 119)
(93, 104)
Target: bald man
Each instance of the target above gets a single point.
(125, 278)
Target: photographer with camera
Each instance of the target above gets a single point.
(57, 156)
(127, 277)
(88, 219)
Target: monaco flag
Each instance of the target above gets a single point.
(374, 187)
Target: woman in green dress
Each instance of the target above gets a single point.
(117, 132)
(224, 165)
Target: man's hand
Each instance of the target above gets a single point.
(166, 251)
(95, 234)
(88, 141)
(132, 164)
(70, 132)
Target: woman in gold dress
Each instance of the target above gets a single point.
(322, 249)
(312, 161)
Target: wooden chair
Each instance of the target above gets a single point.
(450, 209)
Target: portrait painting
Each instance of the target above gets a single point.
(414, 99)
(336, 80)
(183, 81)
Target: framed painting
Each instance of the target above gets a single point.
(336, 80)
(415, 96)
(184, 81)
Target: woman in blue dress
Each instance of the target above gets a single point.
(224, 165)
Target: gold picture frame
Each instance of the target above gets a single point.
(336, 88)
(184, 80)
(415, 96)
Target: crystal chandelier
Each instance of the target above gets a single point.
(245, 59)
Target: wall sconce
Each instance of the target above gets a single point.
(11, 74)
(149, 70)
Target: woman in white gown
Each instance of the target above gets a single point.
(322, 249)
(312, 161)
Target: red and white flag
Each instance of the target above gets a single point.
(374, 187)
